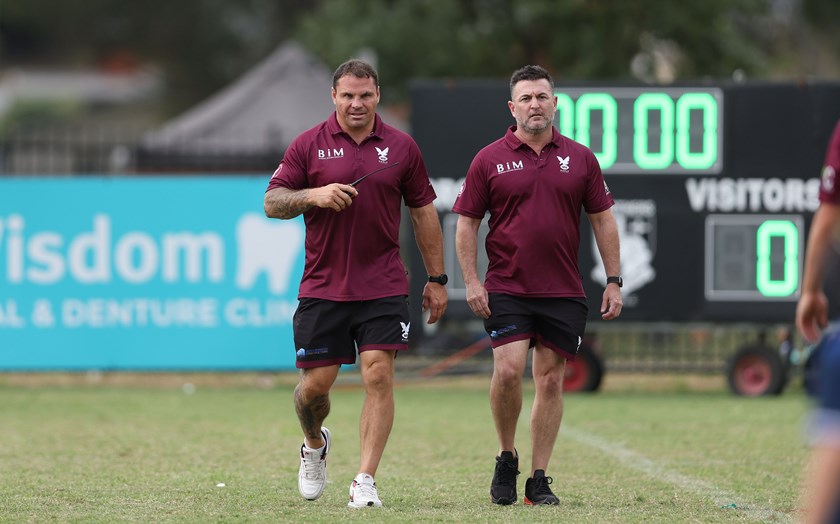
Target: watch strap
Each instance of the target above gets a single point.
(615, 280)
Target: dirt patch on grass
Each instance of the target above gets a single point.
(348, 379)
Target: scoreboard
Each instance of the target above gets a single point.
(715, 186)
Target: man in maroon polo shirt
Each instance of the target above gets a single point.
(354, 288)
(534, 183)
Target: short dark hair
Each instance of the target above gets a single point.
(357, 68)
(530, 72)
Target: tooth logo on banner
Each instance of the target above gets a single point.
(269, 247)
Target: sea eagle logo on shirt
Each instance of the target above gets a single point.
(564, 164)
(606, 188)
(507, 167)
(383, 154)
(330, 153)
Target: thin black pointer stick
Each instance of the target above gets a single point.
(374, 171)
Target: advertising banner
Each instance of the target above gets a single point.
(145, 273)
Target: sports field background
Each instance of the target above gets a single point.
(156, 447)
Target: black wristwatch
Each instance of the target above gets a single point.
(615, 280)
(441, 279)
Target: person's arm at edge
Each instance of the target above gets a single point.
(466, 247)
(429, 237)
(812, 309)
(605, 230)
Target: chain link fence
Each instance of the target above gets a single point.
(81, 150)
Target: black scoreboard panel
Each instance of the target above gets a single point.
(715, 185)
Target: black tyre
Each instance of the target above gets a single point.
(584, 374)
(755, 371)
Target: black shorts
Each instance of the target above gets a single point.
(328, 332)
(557, 323)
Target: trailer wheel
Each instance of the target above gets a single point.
(756, 371)
(584, 374)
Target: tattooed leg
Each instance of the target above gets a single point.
(312, 403)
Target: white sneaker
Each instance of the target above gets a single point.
(312, 475)
(363, 492)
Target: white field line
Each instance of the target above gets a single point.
(639, 462)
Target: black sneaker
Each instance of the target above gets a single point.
(503, 487)
(537, 491)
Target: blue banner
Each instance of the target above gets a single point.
(152, 273)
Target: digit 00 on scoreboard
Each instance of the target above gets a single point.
(642, 130)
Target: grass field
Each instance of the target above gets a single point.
(146, 449)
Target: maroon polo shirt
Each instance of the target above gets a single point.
(534, 203)
(355, 254)
(829, 190)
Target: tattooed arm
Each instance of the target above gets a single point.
(287, 203)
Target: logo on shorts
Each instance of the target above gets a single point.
(405, 327)
(303, 353)
(578, 346)
(499, 333)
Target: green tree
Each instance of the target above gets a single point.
(819, 36)
(576, 40)
(201, 45)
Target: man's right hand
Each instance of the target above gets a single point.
(333, 196)
(477, 299)
(812, 315)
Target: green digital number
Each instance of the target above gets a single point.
(641, 118)
(609, 108)
(566, 114)
(764, 282)
(706, 104)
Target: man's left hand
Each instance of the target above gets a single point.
(611, 303)
(435, 299)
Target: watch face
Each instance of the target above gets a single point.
(442, 279)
